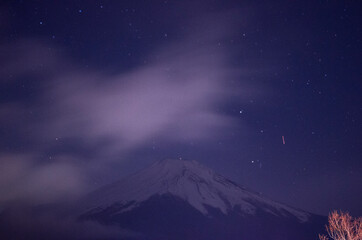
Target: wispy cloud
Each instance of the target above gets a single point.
(175, 97)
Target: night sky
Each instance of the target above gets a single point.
(93, 90)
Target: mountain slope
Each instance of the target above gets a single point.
(176, 198)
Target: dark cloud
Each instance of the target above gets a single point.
(23, 178)
(27, 223)
(30, 57)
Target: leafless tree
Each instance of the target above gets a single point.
(341, 226)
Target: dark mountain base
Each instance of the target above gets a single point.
(169, 217)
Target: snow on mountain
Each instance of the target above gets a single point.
(190, 181)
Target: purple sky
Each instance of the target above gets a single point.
(90, 93)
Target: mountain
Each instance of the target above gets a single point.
(178, 199)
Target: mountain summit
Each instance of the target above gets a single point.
(178, 192)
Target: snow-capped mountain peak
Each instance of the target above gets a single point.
(196, 184)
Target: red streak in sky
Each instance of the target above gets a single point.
(283, 140)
